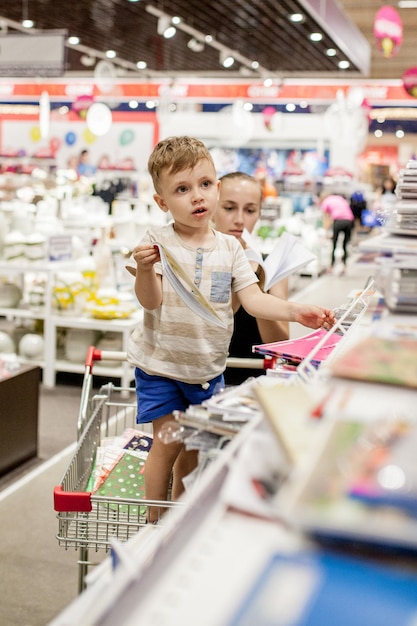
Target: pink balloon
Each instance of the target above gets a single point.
(388, 30)
(54, 144)
(410, 81)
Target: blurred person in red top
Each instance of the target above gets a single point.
(338, 215)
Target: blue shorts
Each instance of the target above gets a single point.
(158, 396)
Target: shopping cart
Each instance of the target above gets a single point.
(87, 521)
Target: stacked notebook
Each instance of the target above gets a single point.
(404, 222)
(294, 351)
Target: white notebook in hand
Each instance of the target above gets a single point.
(287, 256)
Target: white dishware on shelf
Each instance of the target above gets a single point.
(31, 346)
(10, 294)
(7, 345)
(77, 342)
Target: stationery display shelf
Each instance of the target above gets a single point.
(348, 324)
(309, 356)
(203, 564)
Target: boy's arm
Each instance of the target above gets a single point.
(268, 307)
(148, 284)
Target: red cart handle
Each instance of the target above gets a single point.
(77, 501)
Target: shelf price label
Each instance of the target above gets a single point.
(60, 248)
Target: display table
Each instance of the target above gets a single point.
(19, 402)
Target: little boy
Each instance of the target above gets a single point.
(180, 357)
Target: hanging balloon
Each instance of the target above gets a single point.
(126, 137)
(388, 31)
(81, 105)
(35, 133)
(54, 145)
(70, 138)
(410, 81)
(99, 119)
(88, 136)
(267, 116)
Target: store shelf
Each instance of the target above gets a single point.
(200, 565)
(52, 322)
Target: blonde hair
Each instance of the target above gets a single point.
(242, 176)
(176, 154)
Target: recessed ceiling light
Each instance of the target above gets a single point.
(290, 107)
(208, 38)
(170, 32)
(141, 65)
(176, 20)
(399, 133)
(254, 65)
(87, 60)
(110, 54)
(316, 36)
(195, 45)
(331, 52)
(133, 104)
(74, 41)
(296, 18)
(378, 133)
(343, 65)
(28, 23)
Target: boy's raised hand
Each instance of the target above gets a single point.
(314, 316)
(146, 256)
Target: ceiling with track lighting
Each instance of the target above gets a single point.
(258, 35)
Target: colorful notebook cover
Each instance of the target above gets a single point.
(125, 481)
(381, 360)
(323, 589)
(298, 349)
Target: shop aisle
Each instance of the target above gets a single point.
(39, 578)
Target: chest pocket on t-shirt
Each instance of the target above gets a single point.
(220, 286)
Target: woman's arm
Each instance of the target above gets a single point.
(268, 307)
(277, 330)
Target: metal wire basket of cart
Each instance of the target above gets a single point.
(86, 520)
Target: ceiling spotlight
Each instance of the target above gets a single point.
(111, 54)
(297, 18)
(331, 52)
(226, 58)
(165, 27)
(28, 23)
(343, 65)
(316, 36)
(195, 45)
(74, 41)
(141, 65)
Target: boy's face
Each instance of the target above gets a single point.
(191, 195)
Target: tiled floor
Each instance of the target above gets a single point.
(39, 578)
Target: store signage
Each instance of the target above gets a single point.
(40, 55)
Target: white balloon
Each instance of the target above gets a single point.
(99, 119)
